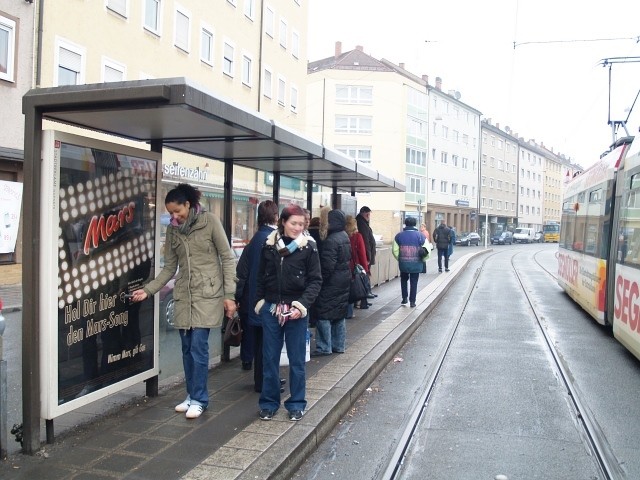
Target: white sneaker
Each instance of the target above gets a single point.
(194, 411)
(184, 406)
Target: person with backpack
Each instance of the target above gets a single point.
(442, 239)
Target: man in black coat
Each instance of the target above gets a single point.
(442, 238)
(363, 219)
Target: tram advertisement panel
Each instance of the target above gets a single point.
(98, 230)
(626, 310)
(583, 277)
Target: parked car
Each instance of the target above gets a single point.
(468, 238)
(538, 237)
(502, 238)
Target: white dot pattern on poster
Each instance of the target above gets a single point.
(102, 193)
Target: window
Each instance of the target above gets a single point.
(359, 154)
(182, 36)
(70, 65)
(454, 160)
(445, 132)
(246, 70)
(267, 84)
(269, 19)
(465, 139)
(465, 162)
(454, 188)
(112, 71)
(353, 124)
(295, 44)
(416, 157)
(464, 191)
(7, 48)
(443, 158)
(206, 45)
(456, 136)
(484, 181)
(484, 158)
(354, 94)
(415, 184)
(433, 184)
(118, 6)
(227, 58)
(294, 99)
(282, 87)
(250, 8)
(443, 186)
(283, 33)
(152, 16)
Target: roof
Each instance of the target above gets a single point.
(351, 60)
(185, 117)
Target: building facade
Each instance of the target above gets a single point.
(498, 179)
(454, 152)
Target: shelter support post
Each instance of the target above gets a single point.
(227, 222)
(30, 281)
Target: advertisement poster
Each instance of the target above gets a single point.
(104, 249)
(10, 203)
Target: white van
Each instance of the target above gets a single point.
(523, 235)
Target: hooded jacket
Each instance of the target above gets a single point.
(335, 256)
(206, 272)
(369, 240)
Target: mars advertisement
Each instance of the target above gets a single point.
(100, 214)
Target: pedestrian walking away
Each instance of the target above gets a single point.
(247, 278)
(332, 302)
(452, 241)
(442, 238)
(196, 245)
(289, 281)
(409, 249)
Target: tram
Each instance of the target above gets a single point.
(599, 248)
(551, 232)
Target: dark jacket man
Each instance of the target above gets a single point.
(365, 230)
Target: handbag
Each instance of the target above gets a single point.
(359, 284)
(232, 331)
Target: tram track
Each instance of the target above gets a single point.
(594, 439)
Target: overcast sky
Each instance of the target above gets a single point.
(550, 87)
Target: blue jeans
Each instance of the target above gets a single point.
(412, 278)
(247, 343)
(294, 333)
(195, 359)
(331, 336)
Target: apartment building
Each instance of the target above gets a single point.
(16, 73)
(454, 152)
(554, 174)
(531, 162)
(498, 179)
(375, 112)
(248, 51)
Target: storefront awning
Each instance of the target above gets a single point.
(179, 115)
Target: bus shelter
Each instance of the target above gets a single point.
(172, 114)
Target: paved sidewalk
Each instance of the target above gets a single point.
(135, 437)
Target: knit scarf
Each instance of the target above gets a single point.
(293, 245)
(188, 223)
